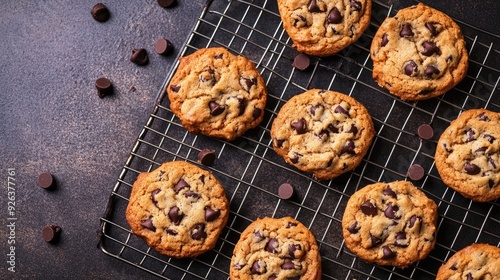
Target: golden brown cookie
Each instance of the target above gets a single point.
(218, 94)
(324, 27)
(271, 248)
(467, 155)
(323, 132)
(390, 224)
(179, 209)
(476, 261)
(419, 53)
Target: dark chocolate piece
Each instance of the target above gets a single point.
(368, 208)
(163, 46)
(139, 57)
(416, 172)
(45, 181)
(149, 224)
(104, 87)
(181, 184)
(166, 3)
(206, 157)
(425, 131)
(198, 232)
(301, 62)
(211, 214)
(334, 16)
(100, 12)
(406, 30)
(286, 191)
(51, 233)
(215, 108)
(175, 215)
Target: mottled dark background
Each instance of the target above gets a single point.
(51, 118)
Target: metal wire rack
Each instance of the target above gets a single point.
(251, 172)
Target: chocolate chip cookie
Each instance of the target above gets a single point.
(323, 132)
(179, 209)
(419, 53)
(476, 261)
(468, 155)
(390, 224)
(218, 94)
(324, 27)
(271, 248)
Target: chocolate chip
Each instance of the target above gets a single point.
(278, 143)
(425, 131)
(489, 138)
(258, 267)
(390, 211)
(247, 83)
(51, 233)
(258, 235)
(368, 208)
(353, 130)
(170, 231)
(430, 48)
(219, 56)
(299, 126)
(413, 220)
(295, 158)
(198, 232)
(470, 135)
(181, 184)
(139, 57)
(314, 108)
(207, 76)
(388, 191)
(454, 266)
(410, 68)
(166, 3)
(148, 223)
(469, 276)
(401, 240)
(491, 183)
(375, 240)
(431, 71)
(291, 224)
(483, 117)
(492, 162)
(272, 245)
(192, 194)
(206, 157)
(175, 215)
(153, 196)
(355, 5)
(301, 62)
(432, 28)
(292, 248)
(104, 87)
(215, 108)
(387, 252)
(257, 112)
(286, 191)
(163, 46)
(334, 16)
(45, 181)
(406, 30)
(175, 88)
(242, 104)
(288, 264)
(385, 40)
(211, 214)
(416, 172)
(449, 58)
(340, 110)
(313, 7)
(353, 228)
(100, 12)
(481, 149)
(333, 129)
(348, 148)
(471, 168)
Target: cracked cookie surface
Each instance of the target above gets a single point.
(468, 155)
(179, 209)
(390, 224)
(323, 132)
(476, 261)
(218, 94)
(324, 27)
(419, 53)
(272, 248)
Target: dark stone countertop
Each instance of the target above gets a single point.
(51, 118)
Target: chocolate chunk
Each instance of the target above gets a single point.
(390, 211)
(215, 108)
(175, 88)
(470, 135)
(166, 3)
(489, 138)
(211, 214)
(104, 87)
(333, 129)
(314, 108)
(170, 231)
(368, 208)
(353, 130)
(286, 191)
(198, 232)
(353, 228)
(416, 172)
(163, 46)
(288, 264)
(258, 267)
(301, 62)
(292, 248)
(449, 58)
(387, 252)
(279, 143)
(492, 162)
(45, 181)
(175, 215)
(389, 192)
(413, 220)
(272, 245)
(454, 266)
(481, 149)
(208, 76)
(313, 7)
(257, 112)
(471, 168)
(51, 233)
(469, 276)
(181, 184)
(348, 148)
(334, 16)
(425, 131)
(432, 28)
(153, 196)
(410, 68)
(406, 30)
(148, 223)
(139, 57)
(206, 157)
(401, 240)
(258, 235)
(491, 183)
(340, 110)
(291, 224)
(247, 83)
(242, 104)
(430, 48)
(375, 241)
(355, 5)
(192, 194)
(483, 117)
(299, 126)
(431, 71)
(100, 12)
(385, 40)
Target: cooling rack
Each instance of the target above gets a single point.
(251, 172)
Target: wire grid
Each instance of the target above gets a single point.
(251, 172)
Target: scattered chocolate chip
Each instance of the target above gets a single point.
(431, 71)
(390, 211)
(425, 131)
(416, 172)
(387, 252)
(104, 87)
(149, 224)
(385, 40)
(471, 168)
(292, 248)
(301, 62)
(166, 3)
(288, 264)
(410, 68)
(51, 233)
(206, 157)
(334, 16)
(406, 30)
(257, 112)
(299, 126)
(258, 267)
(198, 232)
(430, 48)
(432, 28)
(153, 196)
(175, 88)
(286, 191)
(139, 57)
(100, 12)
(340, 110)
(355, 5)
(353, 228)
(211, 214)
(45, 181)
(181, 184)
(348, 148)
(388, 191)
(272, 245)
(170, 231)
(375, 241)
(313, 7)
(175, 215)
(368, 208)
(215, 108)
(163, 46)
